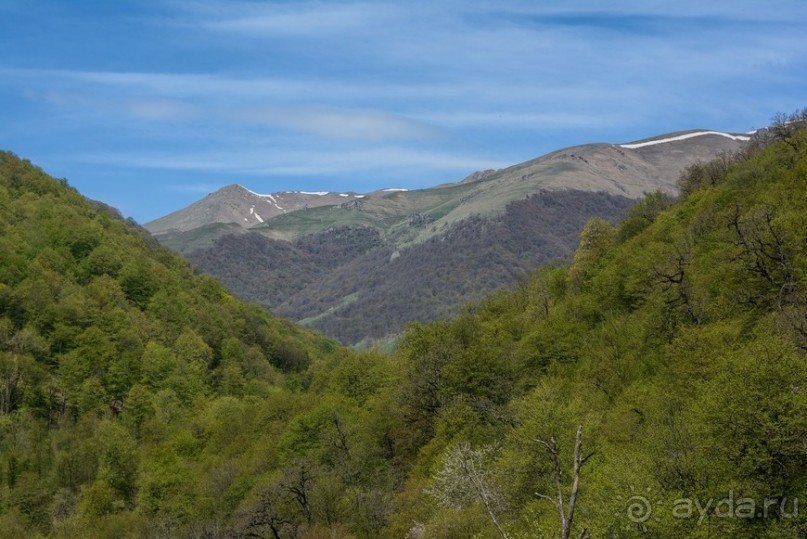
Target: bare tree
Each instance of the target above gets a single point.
(673, 279)
(270, 516)
(298, 482)
(766, 251)
(566, 510)
(12, 374)
(466, 477)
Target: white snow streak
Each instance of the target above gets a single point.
(275, 203)
(269, 196)
(683, 137)
(251, 191)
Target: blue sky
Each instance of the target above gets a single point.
(150, 104)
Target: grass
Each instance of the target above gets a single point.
(345, 301)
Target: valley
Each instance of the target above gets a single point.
(139, 398)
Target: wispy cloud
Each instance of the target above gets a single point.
(323, 164)
(194, 188)
(737, 10)
(523, 120)
(337, 123)
(158, 109)
(298, 19)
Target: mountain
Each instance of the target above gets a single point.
(348, 268)
(654, 386)
(348, 283)
(238, 205)
(628, 170)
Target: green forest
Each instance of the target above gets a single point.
(654, 387)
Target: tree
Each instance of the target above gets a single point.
(566, 509)
(139, 283)
(465, 477)
(157, 364)
(298, 481)
(273, 513)
(192, 348)
(138, 407)
(13, 372)
(595, 240)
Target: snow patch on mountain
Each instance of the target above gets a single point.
(742, 138)
(253, 192)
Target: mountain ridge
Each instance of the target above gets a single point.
(619, 169)
(458, 240)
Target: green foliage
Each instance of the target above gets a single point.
(111, 349)
(677, 340)
(140, 400)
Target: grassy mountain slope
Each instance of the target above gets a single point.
(619, 170)
(198, 238)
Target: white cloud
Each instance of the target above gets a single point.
(285, 162)
(738, 10)
(523, 120)
(307, 19)
(336, 123)
(158, 109)
(227, 93)
(194, 188)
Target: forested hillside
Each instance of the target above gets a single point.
(676, 343)
(136, 398)
(654, 387)
(349, 284)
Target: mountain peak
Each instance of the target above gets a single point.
(236, 204)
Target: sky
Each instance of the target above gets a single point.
(149, 105)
